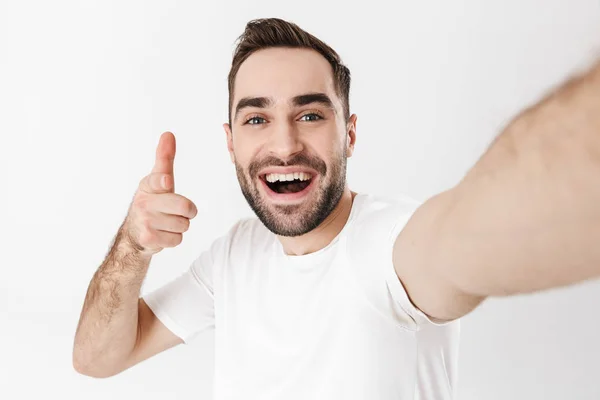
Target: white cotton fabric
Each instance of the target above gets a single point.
(333, 324)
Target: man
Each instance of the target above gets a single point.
(330, 294)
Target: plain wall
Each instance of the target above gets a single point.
(87, 87)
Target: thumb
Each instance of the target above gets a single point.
(165, 154)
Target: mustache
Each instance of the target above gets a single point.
(297, 160)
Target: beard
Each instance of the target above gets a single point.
(295, 220)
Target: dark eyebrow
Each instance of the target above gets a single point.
(305, 99)
(298, 101)
(258, 102)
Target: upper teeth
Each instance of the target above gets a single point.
(303, 176)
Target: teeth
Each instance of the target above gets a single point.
(303, 176)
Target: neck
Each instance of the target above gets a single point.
(322, 235)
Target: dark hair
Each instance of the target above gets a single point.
(274, 32)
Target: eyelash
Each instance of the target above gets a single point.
(251, 118)
(313, 113)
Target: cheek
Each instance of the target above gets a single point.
(244, 151)
(330, 150)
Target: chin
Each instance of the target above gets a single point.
(290, 205)
(289, 219)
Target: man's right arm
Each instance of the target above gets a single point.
(116, 328)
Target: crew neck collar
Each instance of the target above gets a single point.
(316, 254)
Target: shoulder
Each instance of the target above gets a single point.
(244, 235)
(381, 216)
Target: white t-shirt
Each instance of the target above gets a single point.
(333, 324)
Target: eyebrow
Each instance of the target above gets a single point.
(309, 98)
(300, 100)
(258, 102)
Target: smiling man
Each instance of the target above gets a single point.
(329, 293)
(290, 135)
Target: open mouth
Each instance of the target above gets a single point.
(287, 183)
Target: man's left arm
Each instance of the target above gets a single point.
(525, 218)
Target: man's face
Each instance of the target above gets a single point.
(289, 139)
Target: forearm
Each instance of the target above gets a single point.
(107, 330)
(526, 217)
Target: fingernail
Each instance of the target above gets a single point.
(164, 182)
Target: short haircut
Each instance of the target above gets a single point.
(274, 32)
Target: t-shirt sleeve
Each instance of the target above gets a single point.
(372, 245)
(185, 305)
(394, 284)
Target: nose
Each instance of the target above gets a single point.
(285, 141)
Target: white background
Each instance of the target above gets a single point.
(86, 88)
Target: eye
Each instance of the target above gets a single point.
(255, 121)
(311, 117)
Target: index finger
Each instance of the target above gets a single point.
(173, 204)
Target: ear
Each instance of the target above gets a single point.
(227, 129)
(351, 135)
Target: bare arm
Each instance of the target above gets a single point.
(525, 218)
(115, 324)
(117, 329)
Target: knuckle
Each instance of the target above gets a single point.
(189, 208)
(169, 240)
(183, 207)
(164, 181)
(157, 182)
(145, 184)
(186, 224)
(183, 224)
(177, 239)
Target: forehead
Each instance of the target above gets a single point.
(283, 73)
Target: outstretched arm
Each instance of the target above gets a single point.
(525, 218)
